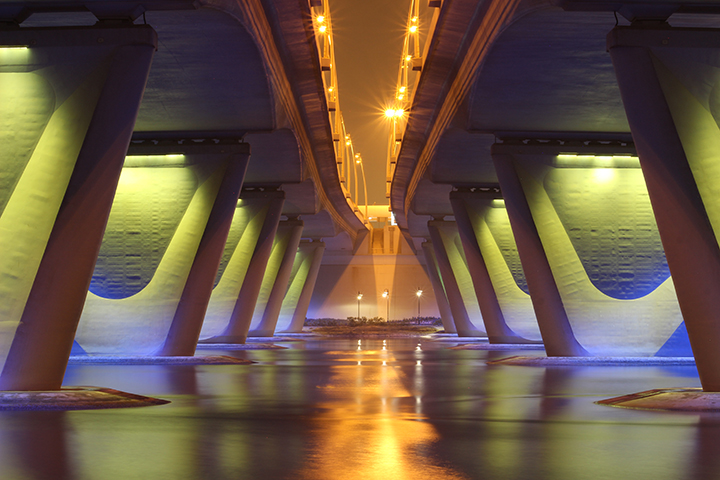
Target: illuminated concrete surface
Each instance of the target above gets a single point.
(331, 409)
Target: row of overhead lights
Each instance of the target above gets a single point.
(410, 61)
(348, 161)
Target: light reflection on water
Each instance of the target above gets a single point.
(352, 409)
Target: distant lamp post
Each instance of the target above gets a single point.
(419, 294)
(386, 296)
(359, 297)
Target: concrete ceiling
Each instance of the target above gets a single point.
(539, 72)
(226, 69)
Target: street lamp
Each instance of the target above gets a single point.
(386, 296)
(359, 297)
(419, 294)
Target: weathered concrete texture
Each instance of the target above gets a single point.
(670, 399)
(155, 360)
(75, 398)
(594, 361)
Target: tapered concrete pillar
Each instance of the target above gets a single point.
(495, 325)
(463, 325)
(97, 118)
(186, 325)
(271, 311)
(552, 318)
(438, 289)
(297, 304)
(668, 79)
(242, 313)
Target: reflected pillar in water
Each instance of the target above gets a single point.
(39, 444)
(65, 180)
(669, 94)
(438, 288)
(297, 299)
(450, 269)
(277, 277)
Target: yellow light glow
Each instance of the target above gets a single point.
(408, 58)
(399, 112)
(402, 89)
(603, 175)
(320, 18)
(400, 97)
(348, 143)
(597, 161)
(323, 28)
(170, 159)
(419, 293)
(330, 89)
(414, 19)
(498, 203)
(13, 47)
(413, 29)
(390, 112)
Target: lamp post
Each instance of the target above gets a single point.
(386, 296)
(359, 296)
(419, 294)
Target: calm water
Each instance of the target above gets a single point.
(334, 409)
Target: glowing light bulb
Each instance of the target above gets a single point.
(399, 112)
(390, 112)
(320, 18)
(413, 29)
(414, 19)
(402, 89)
(400, 97)
(323, 28)
(330, 89)
(408, 58)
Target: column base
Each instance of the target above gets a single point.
(512, 339)
(668, 399)
(74, 398)
(224, 339)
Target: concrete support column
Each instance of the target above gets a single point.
(40, 349)
(302, 302)
(438, 289)
(186, 325)
(271, 312)
(676, 141)
(497, 330)
(239, 323)
(463, 325)
(552, 319)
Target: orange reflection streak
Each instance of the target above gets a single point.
(366, 431)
